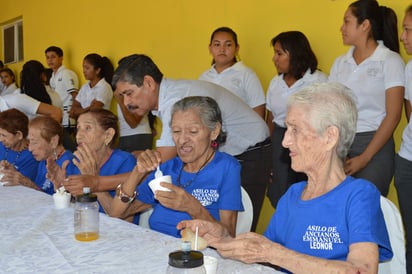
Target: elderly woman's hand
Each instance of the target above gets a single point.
(11, 176)
(248, 247)
(3, 163)
(177, 198)
(56, 174)
(148, 161)
(86, 160)
(211, 231)
(75, 183)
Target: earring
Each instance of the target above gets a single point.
(55, 155)
(214, 144)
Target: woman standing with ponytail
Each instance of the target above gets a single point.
(374, 70)
(403, 160)
(97, 92)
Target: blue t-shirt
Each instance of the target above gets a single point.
(119, 162)
(326, 226)
(41, 181)
(216, 187)
(23, 161)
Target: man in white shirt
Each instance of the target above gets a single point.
(144, 89)
(66, 84)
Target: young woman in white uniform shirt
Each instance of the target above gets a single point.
(8, 80)
(97, 92)
(232, 74)
(374, 70)
(297, 68)
(403, 161)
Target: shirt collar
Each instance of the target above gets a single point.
(236, 66)
(378, 55)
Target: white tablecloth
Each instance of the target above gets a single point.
(37, 238)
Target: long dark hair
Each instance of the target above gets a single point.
(301, 55)
(383, 20)
(103, 63)
(31, 81)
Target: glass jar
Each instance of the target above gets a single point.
(186, 261)
(86, 216)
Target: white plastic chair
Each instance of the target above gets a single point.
(394, 226)
(245, 218)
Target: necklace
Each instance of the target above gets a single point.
(194, 177)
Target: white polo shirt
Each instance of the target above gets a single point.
(240, 80)
(125, 130)
(102, 92)
(20, 101)
(279, 92)
(244, 127)
(405, 150)
(64, 82)
(9, 89)
(369, 81)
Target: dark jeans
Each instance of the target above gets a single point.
(283, 176)
(69, 138)
(136, 142)
(381, 167)
(403, 184)
(255, 174)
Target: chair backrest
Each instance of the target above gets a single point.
(394, 226)
(144, 218)
(244, 218)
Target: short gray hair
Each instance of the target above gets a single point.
(207, 109)
(330, 104)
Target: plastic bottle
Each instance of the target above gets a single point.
(86, 216)
(186, 261)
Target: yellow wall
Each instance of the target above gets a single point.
(175, 33)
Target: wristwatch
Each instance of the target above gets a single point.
(124, 197)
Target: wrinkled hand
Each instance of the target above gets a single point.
(11, 176)
(176, 199)
(4, 163)
(75, 183)
(56, 174)
(212, 232)
(86, 160)
(355, 164)
(248, 247)
(136, 153)
(148, 161)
